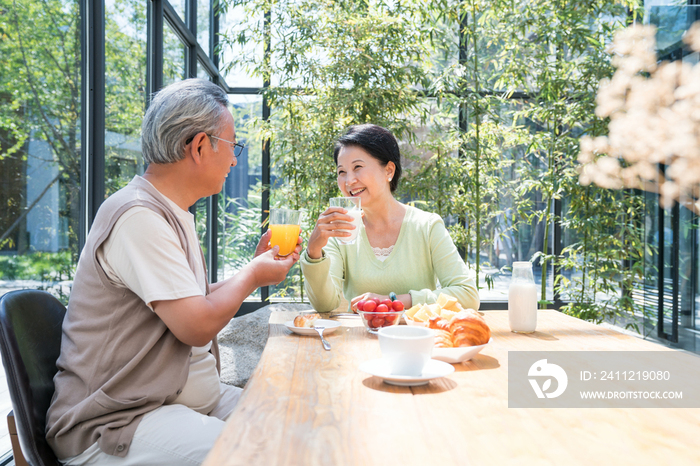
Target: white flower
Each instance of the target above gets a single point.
(692, 37)
(646, 171)
(669, 192)
(600, 145)
(654, 113)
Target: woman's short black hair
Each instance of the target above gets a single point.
(377, 142)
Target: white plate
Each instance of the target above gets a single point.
(329, 325)
(432, 370)
(455, 355)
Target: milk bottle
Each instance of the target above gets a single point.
(522, 299)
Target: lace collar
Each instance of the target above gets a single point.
(382, 252)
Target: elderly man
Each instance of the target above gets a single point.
(138, 380)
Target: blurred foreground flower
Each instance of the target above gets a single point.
(654, 112)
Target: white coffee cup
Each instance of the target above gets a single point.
(407, 349)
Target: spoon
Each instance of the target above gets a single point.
(326, 345)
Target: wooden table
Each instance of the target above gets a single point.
(307, 406)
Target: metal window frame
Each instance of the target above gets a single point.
(160, 12)
(92, 160)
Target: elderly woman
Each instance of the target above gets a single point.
(399, 248)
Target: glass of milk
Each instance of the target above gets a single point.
(522, 299)
(352, 205)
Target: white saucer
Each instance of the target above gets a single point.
(457, 355)
(329, 325)
(433, 369)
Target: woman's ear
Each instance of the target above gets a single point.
(390, 170)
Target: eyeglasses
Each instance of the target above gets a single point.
(236, 147)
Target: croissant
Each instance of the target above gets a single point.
(438, 322)
(305, 320)
(443, 339)
(469, 329)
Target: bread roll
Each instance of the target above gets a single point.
(306, 320)
(469, 329)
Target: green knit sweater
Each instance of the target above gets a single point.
(423, 256)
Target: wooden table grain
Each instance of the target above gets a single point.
(307, 406)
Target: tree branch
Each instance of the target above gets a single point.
(29, 209)
(32, 85)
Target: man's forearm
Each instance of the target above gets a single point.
(198, 319)
(230, 293)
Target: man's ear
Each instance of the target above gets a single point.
(194, 149)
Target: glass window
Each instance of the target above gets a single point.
(203, 25)
(173, 57)
(202, 72)
(230, 26)
(125, 85)
(240, 200)
(180, 7)
(201, 214)
(40, 147)
(687, 253)
(671, 19)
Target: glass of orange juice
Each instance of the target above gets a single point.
(284, 224)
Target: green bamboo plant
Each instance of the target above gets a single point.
(557, 63)
(524, 82)
(469, 158)
(331, 64)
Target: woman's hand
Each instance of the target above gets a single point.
(329, 224)
(366, 296)
(404, 298)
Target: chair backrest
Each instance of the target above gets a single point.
(30, 343)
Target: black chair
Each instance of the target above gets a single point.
(30, 342)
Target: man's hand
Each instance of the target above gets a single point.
(268, 268)
(264, 244)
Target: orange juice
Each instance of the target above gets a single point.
(286, 237)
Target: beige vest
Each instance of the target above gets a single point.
(118, 359)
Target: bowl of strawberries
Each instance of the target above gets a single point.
(376, 313)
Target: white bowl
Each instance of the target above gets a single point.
(410, 321)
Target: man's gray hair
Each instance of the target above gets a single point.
(178, 112)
